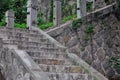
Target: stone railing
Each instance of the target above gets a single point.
(18, 65)
(56, 43)
(86, 67)
(94, 14)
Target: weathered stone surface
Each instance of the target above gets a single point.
(10, 19)
(24, 67)
(57, 12)
(32, 11)
(101, 54)
(72, 42)
(104, 44)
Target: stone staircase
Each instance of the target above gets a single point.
(51, 59)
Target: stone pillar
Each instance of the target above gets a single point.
(9, 18)
(81, 8)
(32, 10)
(57, 12)
(93, 5)
(79, 14)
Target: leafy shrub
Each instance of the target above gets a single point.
(89, 6)
(45, 26)
(89, 29)
(76, 23)
(3, 23)
(17, 25)
(68, 18)
(40, 21)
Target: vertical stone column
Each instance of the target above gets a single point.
(9, 18)
(81, 8)
(57, 12)
(79, 14)
(32, 10)
(93, 5)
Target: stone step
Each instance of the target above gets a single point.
(21, 34)
(23, 38)
(50, 49)
(42, 52)
(47, 54)
(28, 43)
(37, 45)
(49, 61)
(68, 76)
(61, 68)
(45, 49)
(18, 30)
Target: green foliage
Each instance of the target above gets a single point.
(68, 18)
(66, 8)
(76, 23)
(115, 62)
(40, 21)
(45, 26)
(4, 6)
(20, 9)
(89, 6)
(18, 6)
(17, 25)
(89, 28)
(51, 11)
(2, 23)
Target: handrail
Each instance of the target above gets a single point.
(88, 14)
(97, 75)
(49, 37)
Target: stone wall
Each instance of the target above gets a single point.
(95, 48)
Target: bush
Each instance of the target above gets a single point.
(76, 23)
(17, 25)
(3, 23)
(89, 29)
(40, 21)
(45, 26)
(89, 6)
(68, 18)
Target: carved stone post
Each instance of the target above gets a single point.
(79, 14)
(9, 18)
(57, 12)
(32, 10)
(81, 8)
